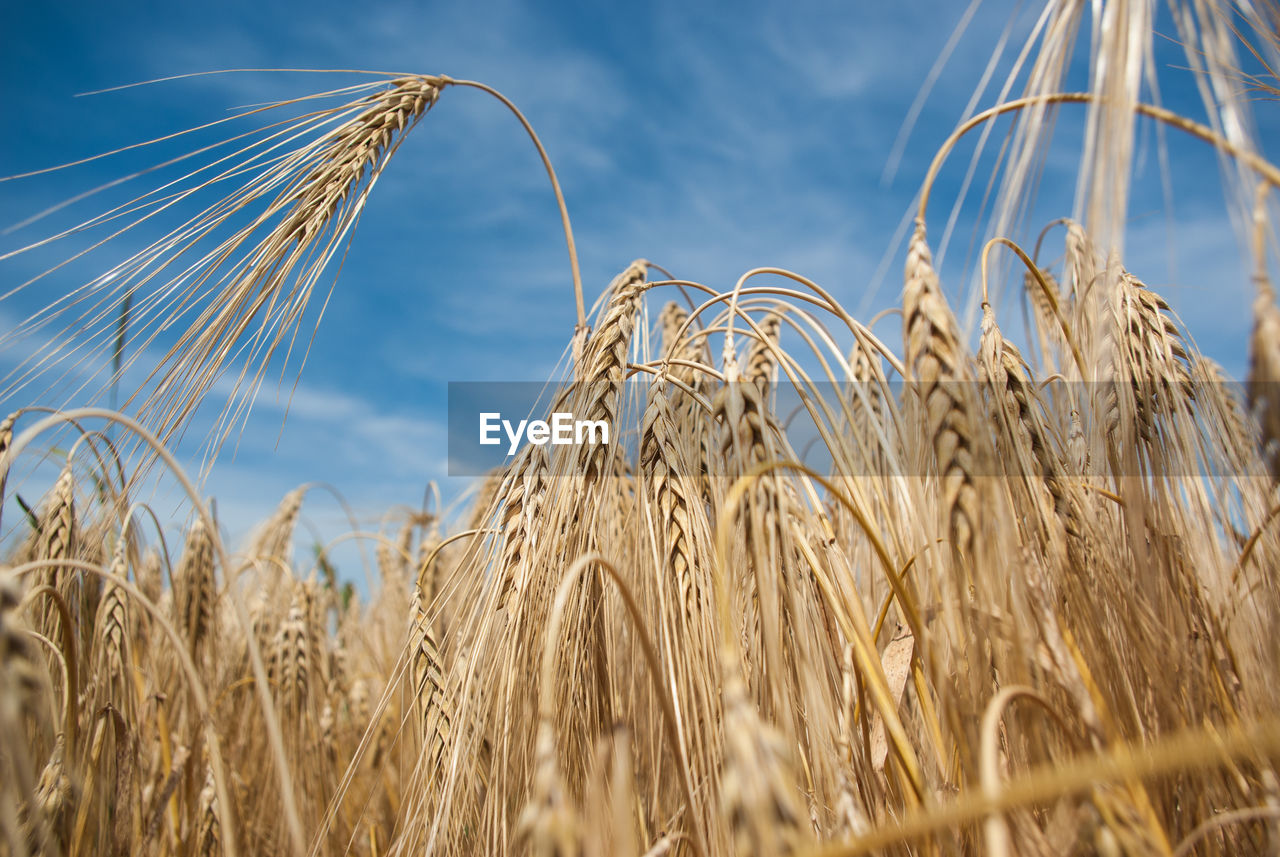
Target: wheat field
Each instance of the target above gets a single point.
(1023, 602)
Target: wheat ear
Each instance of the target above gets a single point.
(936, 361)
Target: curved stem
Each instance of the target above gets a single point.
(1253, 542)
(71, 662)
(547, 673)
(555, 186)
(1261, 165)
(996, 828)
(431, 557)
(1038, 275)
(1061, 221)
(62, 666)
(1251, 813)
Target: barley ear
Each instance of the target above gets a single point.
(936, 360)
(601, 374)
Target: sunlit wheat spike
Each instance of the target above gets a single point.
(762, 356)
(394, 557)
(748, 431)
(151, 575)
(403, 554)
(482, 507)
(236, 279)
(1048, 328)
(114, 632)
(936, 360)
(274, 538)
(1222, 399)
(1153, 356)
(670, 320)
(1023, 432)
(315, 610)
(1081, 274)
(339, 672)
(666, 469)
(599, 378)
(520, 515)
(682, 347)
(427, 565)
(56, 540)
(291, 669)
(429, 689)
(57, 531)
(865, 369)
(195, 589)
(328, 734)
(358, 699)
(685, 409)
(1081, 260)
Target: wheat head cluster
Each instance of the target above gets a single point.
(1027, 604)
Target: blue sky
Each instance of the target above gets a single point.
(707, 138)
